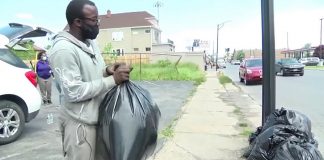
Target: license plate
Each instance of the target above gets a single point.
(295, 70)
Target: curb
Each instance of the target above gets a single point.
(314, 69)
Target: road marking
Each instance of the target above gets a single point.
(17, 154)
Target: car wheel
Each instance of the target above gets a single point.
(246, 82)
(241, 79)
(282, 72)
(12, 121)
(302, 74)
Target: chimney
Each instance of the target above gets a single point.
(108, 15)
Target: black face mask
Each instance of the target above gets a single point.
(89, 32)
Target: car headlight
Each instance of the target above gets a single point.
(248, 71)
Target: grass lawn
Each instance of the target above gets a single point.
(315, 67)
(165, 70)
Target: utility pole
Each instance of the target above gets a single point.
(158, 5)
(268, 60)
(321, 31)
(219, 26)
(287, 41)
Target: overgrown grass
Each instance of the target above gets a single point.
(224, 79)
(165, 70)
(315, 67)
(168, 132)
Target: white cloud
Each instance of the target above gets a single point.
(24, 15)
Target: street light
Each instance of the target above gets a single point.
(321, 31)
(158, 5)
(219, 26)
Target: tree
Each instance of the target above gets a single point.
(227, 50)
(319, 52)
(112, 56)
(307, 46)
(240, 55)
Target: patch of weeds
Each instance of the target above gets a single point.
(237, 111)
(246, 132)
(168, 132)
(242, 124)
(224, 79)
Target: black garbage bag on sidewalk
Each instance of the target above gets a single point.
(265, 143)
(294, 148)
(128, 119)
(289, 117)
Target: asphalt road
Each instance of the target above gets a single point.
(302, 93)
(42, 141)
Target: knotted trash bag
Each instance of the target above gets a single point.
(128, 120)
(268, 140)
(294, 148)
(289, 117)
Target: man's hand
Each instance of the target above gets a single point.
(111, 69)
(121, 72)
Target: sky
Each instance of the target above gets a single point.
(185, 20)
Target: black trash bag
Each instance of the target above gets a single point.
(295, 148)
(266, 141)
(289, 117)
(128, 119)
(254, 135)
(252, 142)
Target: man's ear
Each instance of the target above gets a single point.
(77, 22)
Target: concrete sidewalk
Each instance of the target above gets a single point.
(209, 127)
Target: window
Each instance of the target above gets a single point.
(147, 31)
(136, 49)
(117, 36)
(148, 49)
(10, 58)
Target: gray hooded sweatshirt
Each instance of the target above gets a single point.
(80, 72)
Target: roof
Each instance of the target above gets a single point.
(127, 19)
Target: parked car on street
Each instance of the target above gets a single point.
(250, 70)
(221, 63)
(235, 62)
(289, 66)
(310, 61)
(20, 100)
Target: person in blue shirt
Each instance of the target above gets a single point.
(44, 73)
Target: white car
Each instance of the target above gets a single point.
(20, 100)
(235, 62)
(310, 61)
(221, 64)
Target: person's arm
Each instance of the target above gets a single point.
(37, 66)
(66, 69)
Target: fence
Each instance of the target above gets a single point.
(130, 58)
(144, 58)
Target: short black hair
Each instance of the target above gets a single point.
(39, 55)
(74, 9)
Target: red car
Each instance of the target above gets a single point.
(251, 70)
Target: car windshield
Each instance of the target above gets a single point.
(288, 61)
(254, 63)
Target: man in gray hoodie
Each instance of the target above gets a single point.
(80, 70)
